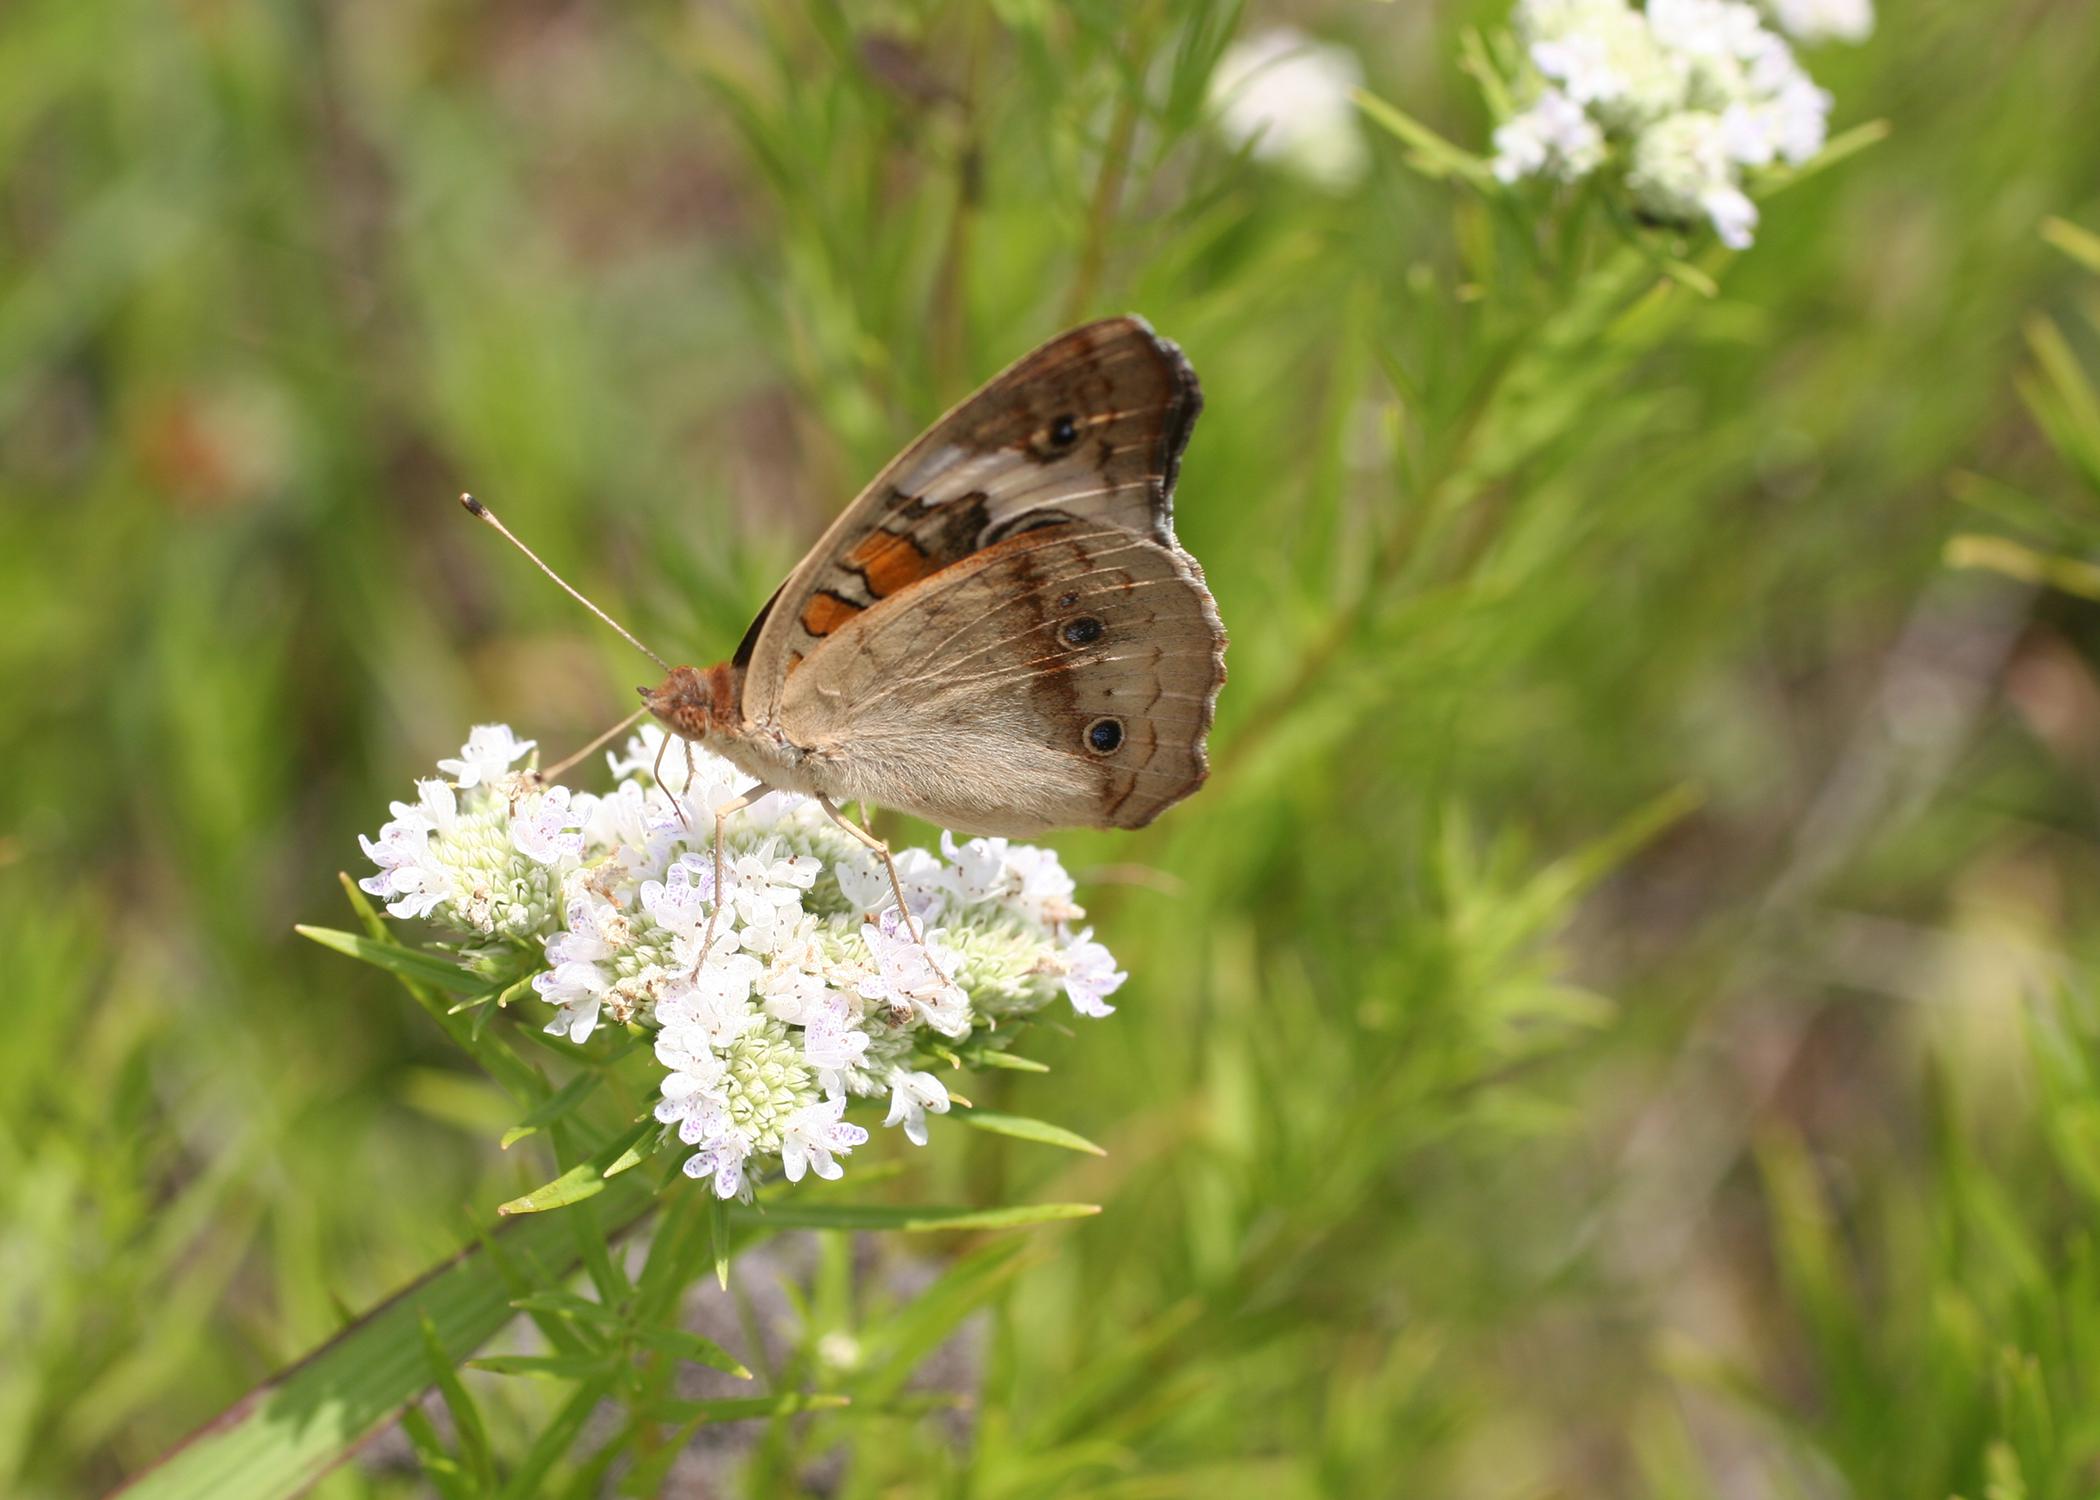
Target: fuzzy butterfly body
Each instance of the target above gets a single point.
(1000, 634)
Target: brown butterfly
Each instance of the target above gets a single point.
(1000, 634)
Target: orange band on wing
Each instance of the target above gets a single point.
(889, 562)
(826, 612)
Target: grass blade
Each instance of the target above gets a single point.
(289, 1431)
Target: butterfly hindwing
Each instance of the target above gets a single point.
(1063, 677)
(1090, 426)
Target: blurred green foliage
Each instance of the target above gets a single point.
(1617, 1023)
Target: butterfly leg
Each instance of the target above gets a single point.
(656, 774)
(882, 851)
(736, 804)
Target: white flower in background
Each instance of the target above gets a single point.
(1604, 56)
(802, 1004)
(1553, 138)
(1291, 101)
(487, 757)
(1813, 21)
(1680, 171)
(912, 1096)
(1682, 97)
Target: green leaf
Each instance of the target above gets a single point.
(289, 1431)
(994, 1059)
(544, 1366)
(443, 1471)
(1838, 148)
(518, 1077)
(924, 1219)
(2076, 241)
(894, 1348)
(476, 1459)
(680, 1344)
(2002, 555)
(585, 1180)
(557, 1105)
(502, 995)
(556, 1438)
(744, 1408)
(563, 1304)
(408, 963)
(718, 1235)
(1433, 156)
(1021, 1128)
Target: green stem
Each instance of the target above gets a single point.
(1108, 183)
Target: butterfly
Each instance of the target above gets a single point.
(1001, 634)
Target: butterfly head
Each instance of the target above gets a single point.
(691, 702)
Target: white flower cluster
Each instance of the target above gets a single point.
(813, 988)
(1686, 97)
(1813, 21)
(1291, 100)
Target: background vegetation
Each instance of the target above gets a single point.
(1619, 1022)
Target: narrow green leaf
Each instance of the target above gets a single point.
(2076, 241)
(680, 1344)
(909, 1219)
(718, 1235)
(595, 1249)
(558, 1105)
(1006, 1060)
(424, 968)
(1475, 59)
(744, 1408)
(1838, 148)
(475, 1457)
(564, 1304)
(1021, 1128)
(894, 1347)
(544, 1366)
(530, 1479)
(289, 1431)
(2073, 418)
(1433, 155)
(1997, 554)
(585, 1180)
(444, 1472)
(650, 1474)
(676, 1247)
(518, 1077)
(502, 995)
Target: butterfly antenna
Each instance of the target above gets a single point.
(476, 508)
(561, 767)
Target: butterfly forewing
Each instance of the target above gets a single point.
(1090, 427)
(1062, 677)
